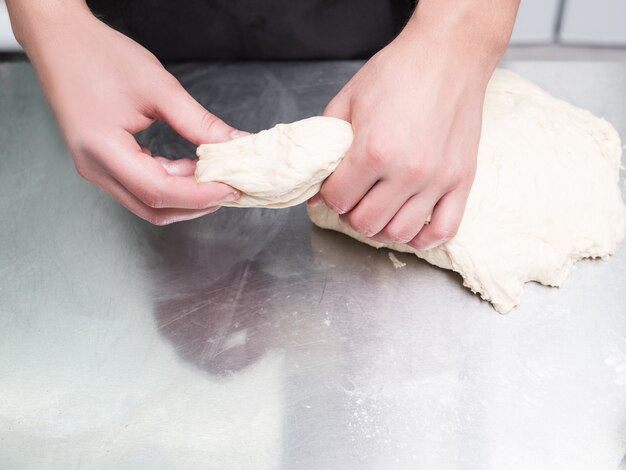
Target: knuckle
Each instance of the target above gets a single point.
(360, 223)
(456, 174)
(415, 170)
(378, 150)
(442, 232)
(460, 178)
(398, 234)
(326, 191)
(208, 121)
(83, 170)
(90, 142)
(152, 198)
(338, 206)
(415, 244)
(333, 201)
(81, 159)
(89, 153)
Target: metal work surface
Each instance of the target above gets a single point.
(250, 340)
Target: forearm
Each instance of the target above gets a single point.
(476, 30)
(34, 21)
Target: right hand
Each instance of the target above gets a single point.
(103, 88)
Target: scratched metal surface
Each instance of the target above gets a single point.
(249, 340)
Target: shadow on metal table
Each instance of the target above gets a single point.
(250, 340)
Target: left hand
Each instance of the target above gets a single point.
(416, 110)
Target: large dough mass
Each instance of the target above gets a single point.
(545, 195)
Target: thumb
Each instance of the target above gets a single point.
(339, 107)
(191, 121)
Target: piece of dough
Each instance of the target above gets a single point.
(545, 195)
(279, 167)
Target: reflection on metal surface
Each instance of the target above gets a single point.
(215, 267)
(248, 339)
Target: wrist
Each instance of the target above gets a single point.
(462, 31)
(38, 22)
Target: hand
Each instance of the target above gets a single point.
(416, 110)
(103, 88)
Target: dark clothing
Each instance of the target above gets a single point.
(257, 29)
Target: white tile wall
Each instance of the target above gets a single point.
(536, 22)
(599, 22)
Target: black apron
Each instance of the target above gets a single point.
(257, 29)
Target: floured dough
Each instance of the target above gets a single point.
(279, 167)
(545, 193)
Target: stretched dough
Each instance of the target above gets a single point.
(545, 195)
(279, 167)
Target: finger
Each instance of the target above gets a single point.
(154, 216)
(315, 201)
(340, 109)
(352, 180)
(190, 120)
(181, 167)
(149, 181)
(376, 208)
(408, 221)
(444, 222)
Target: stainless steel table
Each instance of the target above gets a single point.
(250, 340)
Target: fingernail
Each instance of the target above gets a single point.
(336, 209)
(435, 244)
(231, 197)
(315, 201)
(236, 134)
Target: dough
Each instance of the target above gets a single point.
(279, 167)
(395, 261)
(545, 195)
